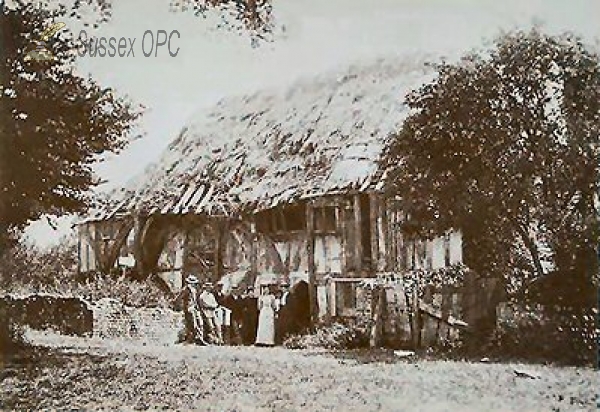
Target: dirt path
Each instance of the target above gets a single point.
(94, 374)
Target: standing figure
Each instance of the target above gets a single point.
(234, 302)
(267, 306)
(194, 325)
(208, 304)
(300, 309)
(250, 322)
(219, 293)
(222, 313)
(285, 319)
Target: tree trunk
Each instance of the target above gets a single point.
(310, 250)
(530, 245)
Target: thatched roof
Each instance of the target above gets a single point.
(321, 136)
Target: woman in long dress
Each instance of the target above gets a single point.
(267, 306)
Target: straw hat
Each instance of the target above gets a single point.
(191, 279)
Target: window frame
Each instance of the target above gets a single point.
(320, 212)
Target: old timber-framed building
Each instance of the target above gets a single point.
(285, 183)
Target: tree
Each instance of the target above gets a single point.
(505, 145)
(253, 16)
(54, 124)
(28, 87)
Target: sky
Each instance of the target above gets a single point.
(319, 36)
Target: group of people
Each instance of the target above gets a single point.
(240, 317)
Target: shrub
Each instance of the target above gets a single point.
(25, 269)
(11, 335)
(337, 335)
(129, 292)
(548, 334)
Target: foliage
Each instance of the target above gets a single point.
(337, 335)
(55, 123)
(558, 334)
(11, 335)
(28, 270)
(504, 146)
(253, 16)
(25, 265)
(532, 333)
(453, 275)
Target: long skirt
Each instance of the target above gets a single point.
(194, 327)
(266, 327)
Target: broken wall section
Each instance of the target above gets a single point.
(112, 319)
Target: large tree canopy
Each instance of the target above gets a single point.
(505, 146)
(53, 123)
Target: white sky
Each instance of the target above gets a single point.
(320, 35)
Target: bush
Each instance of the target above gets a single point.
(548, 334)
(25, 269)
(564, 336)
(11, 335)
(129, 292)
(337, 335)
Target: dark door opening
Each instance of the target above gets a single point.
(301, 306)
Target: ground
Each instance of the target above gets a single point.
(64, 372)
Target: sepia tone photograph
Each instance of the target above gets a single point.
(299, 205)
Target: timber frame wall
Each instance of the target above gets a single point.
(365, 240)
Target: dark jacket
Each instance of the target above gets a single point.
(185, 300)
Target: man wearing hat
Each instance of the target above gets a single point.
(234, 302)
(194, 326)
(208, 304)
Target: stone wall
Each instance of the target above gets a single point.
(115, 320)
(106, 318)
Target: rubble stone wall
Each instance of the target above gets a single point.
(115, 320)
(106, 318)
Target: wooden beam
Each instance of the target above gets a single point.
(310, 252)
(341, 227)
(91, 243)
(225, 229)
(97, 245)
(401, 257)
(287, 262)
(185, 266)
(139, 222)
(358, 237)
(397, 246)
(79, 250)
(374, 235)
(447, 260)
(121, 236)
(253, 248)
(218, 230)
(416, 320)
(385, 236)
